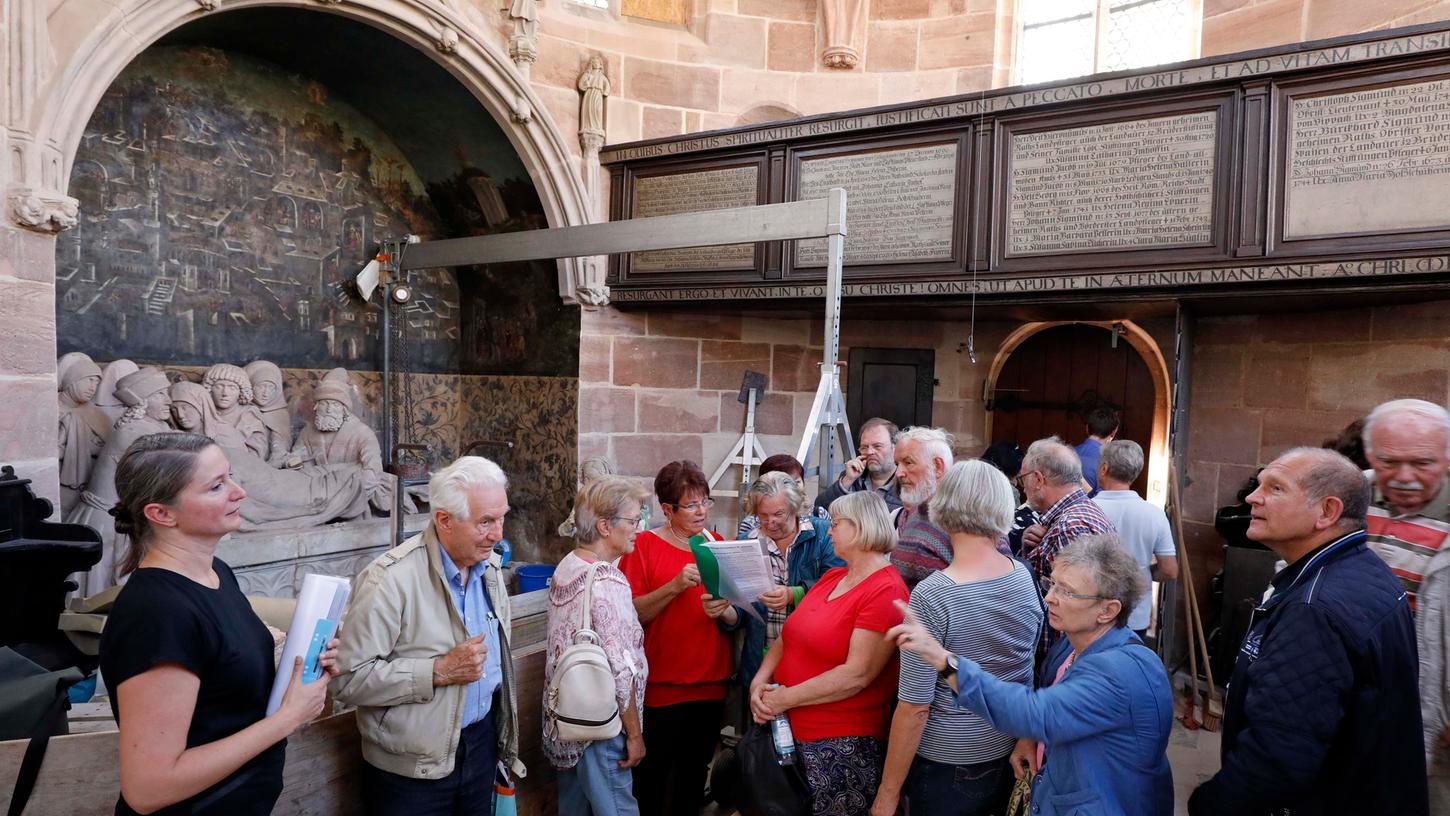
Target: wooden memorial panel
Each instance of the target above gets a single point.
(1129, 185)
(900, 204)
(698, 191)
(1370, 161)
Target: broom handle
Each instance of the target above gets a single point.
(1191, 594)
(1187, 581)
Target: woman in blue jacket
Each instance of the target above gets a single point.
(1095, 732)
(799, 550)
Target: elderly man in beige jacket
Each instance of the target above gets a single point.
(425, 655)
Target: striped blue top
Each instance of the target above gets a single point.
(995, 623)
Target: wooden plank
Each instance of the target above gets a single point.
(814, 218)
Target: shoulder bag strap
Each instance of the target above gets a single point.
(585, 618)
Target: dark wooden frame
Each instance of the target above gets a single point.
(621, 271)
(1410, 238)
(962, 201)
(1223, 103)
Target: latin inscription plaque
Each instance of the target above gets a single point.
(1369, 161)
(900, 204)
(695, 192)
(1121, 185)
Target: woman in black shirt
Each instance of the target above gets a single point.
(188, 663)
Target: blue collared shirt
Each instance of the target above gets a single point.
(478, 617)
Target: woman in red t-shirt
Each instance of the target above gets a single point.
(685, 643)
(835, 668)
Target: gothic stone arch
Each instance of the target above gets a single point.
(61, 61)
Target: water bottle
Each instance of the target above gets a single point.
(783, 738)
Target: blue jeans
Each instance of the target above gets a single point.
(467, 791)
(958, 790)
(597, 786)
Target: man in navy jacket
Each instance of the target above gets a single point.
(1323, 711)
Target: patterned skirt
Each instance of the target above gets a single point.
(843, 773)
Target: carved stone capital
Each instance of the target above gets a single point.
(591, 141)
(840, 56)
(523, 49)
(590, 290)
(43, 211)
(447, 41)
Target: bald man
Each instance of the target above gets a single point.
(1323, 713)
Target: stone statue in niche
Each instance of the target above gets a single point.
(84, 428)
(337, 437)
(276, 499)
(524, 43)
(269, 403)
(843, 25)
(145, 393)
(106, 398)
(594, 85)
(231, 391)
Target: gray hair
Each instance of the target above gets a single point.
(936, 443)
(867, 511)
(1427, 412)
(775, 483)
(1115, 574)
(1057, 462)
(1123, 459)
(1333, 474)
(974, 498)
(603, 498)
(448, 488)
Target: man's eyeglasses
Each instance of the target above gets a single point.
(1054, 589)
(693, 506)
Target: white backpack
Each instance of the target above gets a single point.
(580, 704)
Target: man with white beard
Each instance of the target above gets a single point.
(923, 456)
(1407, 442)
(336, 437)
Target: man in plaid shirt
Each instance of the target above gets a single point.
(1051, 479)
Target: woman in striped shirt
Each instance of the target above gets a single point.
(946, 760)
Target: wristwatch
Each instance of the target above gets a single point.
(950, 669)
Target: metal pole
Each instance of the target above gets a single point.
(387, 371)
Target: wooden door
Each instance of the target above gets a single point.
(1051, 380)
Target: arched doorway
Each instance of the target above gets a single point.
(1047, 375)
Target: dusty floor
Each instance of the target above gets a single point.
(1193, 755)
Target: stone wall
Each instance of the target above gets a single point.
(1264, 383)
(1242, 25)
(663, 386)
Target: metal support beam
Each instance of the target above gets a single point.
(814, 218)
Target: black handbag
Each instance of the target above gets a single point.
(772, 789)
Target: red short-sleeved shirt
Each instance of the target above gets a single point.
(689, 657)
(817, 638)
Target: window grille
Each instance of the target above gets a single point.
(1067, 38)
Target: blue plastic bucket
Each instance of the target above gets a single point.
(533, 577)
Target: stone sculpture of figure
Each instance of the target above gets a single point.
(84, 428)
(148, 407)
(524, 42)
(270, 406)
(337, 437)
(106, 398)
(276, 499)
(231, 391)
(594, 84)
(843, 23)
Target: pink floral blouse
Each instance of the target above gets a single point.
(617, 624)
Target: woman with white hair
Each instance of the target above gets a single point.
(833, 670)
(946, 760)
(597, 777)
(1104, 717)
(798, 552)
